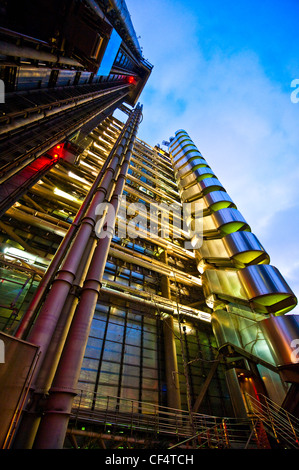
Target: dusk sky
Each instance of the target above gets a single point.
(223, 72)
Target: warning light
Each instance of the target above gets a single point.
(131, 80)
(57, 151)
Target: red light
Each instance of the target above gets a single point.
(131, 80)
(57, 151)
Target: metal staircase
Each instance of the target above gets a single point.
(113, 417)
(280, 424)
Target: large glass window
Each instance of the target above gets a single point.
(198, 343)
(121, 360)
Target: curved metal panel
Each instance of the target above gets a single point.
(236, 249)
(189, 153)
(196, 175)
(184, 159)
(260, 285)
(209, 225)
(245, 248)
(241, 329)
(183, 150)
(211, 252)
(180, 131)
(242, 241)
(202, 173)
(223, 283)
(267, 288)
(181, 163)
(196, 162)
(180, 145)
(242, 272)
(230, 220)
(282, 336)
(190, 166)
(217, 200)
(201, 188)
(186, 163)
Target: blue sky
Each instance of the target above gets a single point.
(223, 72)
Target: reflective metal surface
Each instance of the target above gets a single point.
(218, 200)
(242, 264)
(201, 188)
(184, 149)
(196, 175)
(223, 284)
(262, 286)
(240, 242)
(240, 328)
(185, 165)
(230, 220)
(179, 161)
(282, 336)
(268, 290)
(236, 249)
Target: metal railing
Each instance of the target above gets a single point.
(181, 428)
(281, 424)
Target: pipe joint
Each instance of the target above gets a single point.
(63, 390)
(76, 291)
(92, 284)
(65, 276)
(88, 221)
(101, 189)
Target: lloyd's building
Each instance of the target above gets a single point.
(122, 325)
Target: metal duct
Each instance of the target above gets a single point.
(122, 11)
(155, 302)
(44, 111)
(237, 249)
(260, 286)
(37, 220)
(154, 265)
(28, 53)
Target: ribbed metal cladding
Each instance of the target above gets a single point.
(233, 263)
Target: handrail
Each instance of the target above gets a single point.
(194, 437)
(279, 408)
(283, 424)
(136, 415)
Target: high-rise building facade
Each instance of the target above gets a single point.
(137, 306)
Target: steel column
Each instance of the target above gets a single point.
(65, 244)
(52, 430)
(52, 309)
(171, 364)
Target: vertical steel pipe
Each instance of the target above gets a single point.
(54, 423)
(44, 286)
(52, 310)
(171, 364)
(44, 326)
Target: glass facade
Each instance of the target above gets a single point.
(200, 351)
(122, 359)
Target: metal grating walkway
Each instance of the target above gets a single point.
(181, 429)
